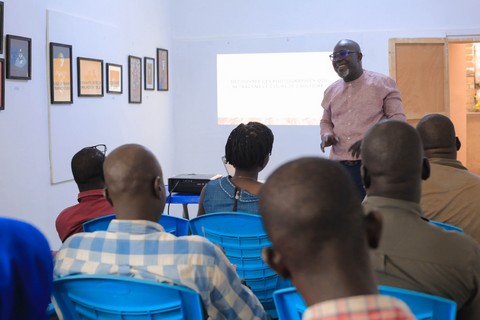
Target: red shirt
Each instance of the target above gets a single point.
(92, 204)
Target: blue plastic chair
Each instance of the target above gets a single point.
(242, 237)
(446, 226)
(117, 297)
(98, 224)
(423, 305)
(290, 305)
(174, 225)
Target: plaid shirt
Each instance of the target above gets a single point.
(141, 249)
(360, 308)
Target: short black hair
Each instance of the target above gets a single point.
(87, 167)
(249, 145)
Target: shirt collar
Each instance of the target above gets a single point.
(89, 193)
(134, 226)
(383, 202)
(447, 162)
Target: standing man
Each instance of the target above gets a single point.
(352, 105)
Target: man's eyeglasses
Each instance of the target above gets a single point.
(342, 54)
(100, 147)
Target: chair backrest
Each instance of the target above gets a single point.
(446, 226)
(98, 224)
(174, 225)
(290, 305)
(242, 237)
(423, 306)
(117, 297)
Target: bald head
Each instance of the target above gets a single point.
(392, 159)
(347, 44)
(438, 136)
(134, 183)
(314, 201)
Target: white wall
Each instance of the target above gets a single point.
(25, 189)
(202, 29)
(180, 125)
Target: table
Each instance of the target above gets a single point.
(184, 200)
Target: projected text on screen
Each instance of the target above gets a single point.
(272, 88)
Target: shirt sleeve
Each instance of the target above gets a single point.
(229, 296)
(392, 103)
(326, 125)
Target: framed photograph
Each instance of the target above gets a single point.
(61, 89)
(1, 26)
(19, 57)
(114, 78)
(162, 69)
(149, 73)
(90, 77)
(134, 79)
(2, 84)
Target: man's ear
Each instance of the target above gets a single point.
(158, 187)
(373, 228)
(107, 196)
(365, 177)
(458, 144)
(275, 261)
(425, 169)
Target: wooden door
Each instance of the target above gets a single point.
(420, 68)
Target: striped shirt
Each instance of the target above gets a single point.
(360, 308)
(142, 249)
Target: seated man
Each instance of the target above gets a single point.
(87, 169)
(26, 268)
(320, 238)
(248, 149)
(415, 254)
(135, 245)
(451, 193)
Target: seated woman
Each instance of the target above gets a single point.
(248, 149)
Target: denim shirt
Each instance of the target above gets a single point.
(220, 197)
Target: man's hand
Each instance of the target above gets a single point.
(328, 140)
(355, 149)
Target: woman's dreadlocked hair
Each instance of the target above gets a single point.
(248, 145)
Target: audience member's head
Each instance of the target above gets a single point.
(438, 136)
(134, 183)
(320, 235)
(87, 168)
(393, 162)
(26, 271)
(249, 146)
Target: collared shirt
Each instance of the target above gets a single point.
(91, 204)
(351, 108)
(417, 255)
(142, 249)
(360, 308)
(220, 197)
(452, 194)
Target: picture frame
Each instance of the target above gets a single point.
(2, 15)
(89, 77)
(61, 84)
(114, 74)
(2, 84)
(149, 71)
(162, 69)
(134, 79)
(19, 57)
